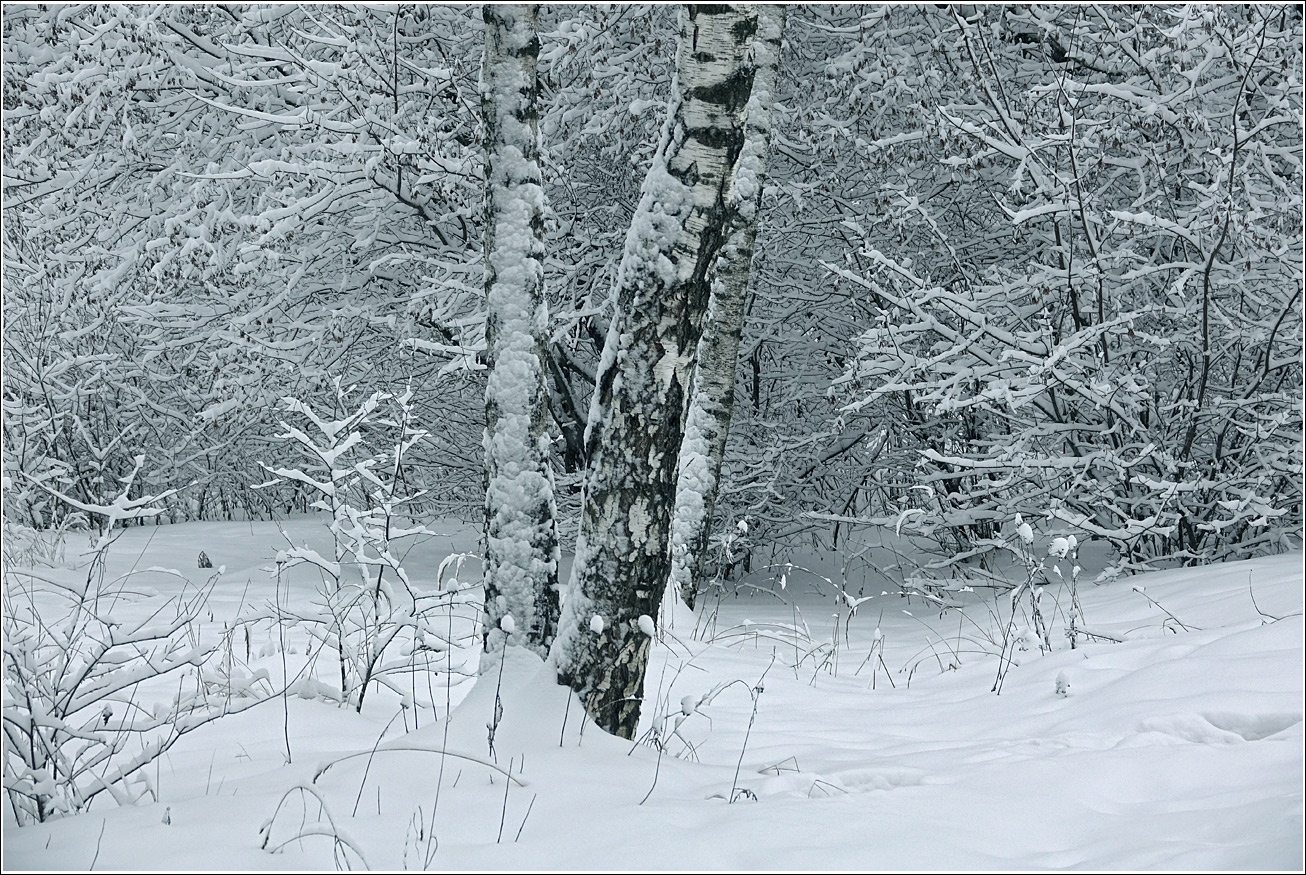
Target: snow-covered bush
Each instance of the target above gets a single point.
(1109, 328)
(96, 689)
(371, 614)
(165, 287)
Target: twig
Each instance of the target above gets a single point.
(285, 673)
(368, 767)
(416, 748)
(103, 823)
(755, 692)
(1258, 607)
(523, 820)
(503, 812)
(657, 769)
(1139, 590)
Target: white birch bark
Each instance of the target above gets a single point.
(521, 563)
(637, 417)
(707, 426)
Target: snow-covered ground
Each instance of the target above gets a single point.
(788, 742)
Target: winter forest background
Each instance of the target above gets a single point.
(980, 287)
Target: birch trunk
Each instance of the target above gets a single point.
(521, 563)
(707, 425)
(637, 417)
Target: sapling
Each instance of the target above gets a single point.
(369, 601)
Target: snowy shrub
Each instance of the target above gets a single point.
(371, 614)
(27, 546)
(234, 282)
(96, 689)
(1104, 321)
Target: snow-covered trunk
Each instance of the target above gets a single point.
(521, 563)
(707, 425)
(637, 417)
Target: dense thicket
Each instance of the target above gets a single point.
(1041, 259)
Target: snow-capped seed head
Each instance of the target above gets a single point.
(1026, 533)
(508, 624)
(1059, 548)
(597, 625)
(687, 705)
(646, 625)
(742, 525)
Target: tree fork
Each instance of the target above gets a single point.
(637, 415)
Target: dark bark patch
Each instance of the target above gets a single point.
(731, 93)
(697, 9)
(718, 138)
(744, 29)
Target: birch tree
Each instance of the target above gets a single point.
(636, 418)
(707, 425)
(521, 562)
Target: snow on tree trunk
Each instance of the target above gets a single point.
(636, 420)
(708, 424)
(521, 566)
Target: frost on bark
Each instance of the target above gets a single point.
(707, 425)
(521, 563)
(636, 420)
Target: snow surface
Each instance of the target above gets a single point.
(848, 740)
